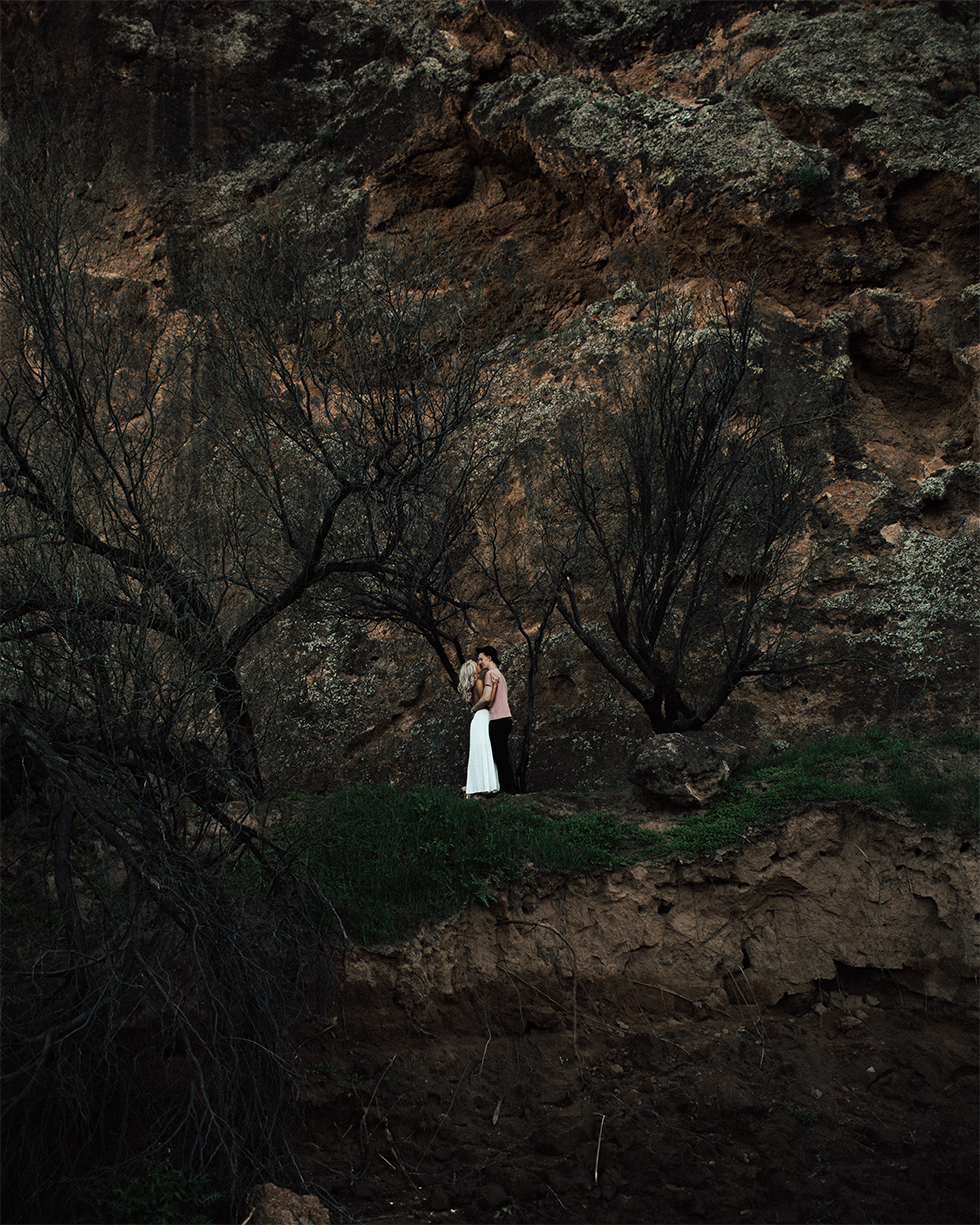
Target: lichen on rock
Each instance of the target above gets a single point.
(921, 601)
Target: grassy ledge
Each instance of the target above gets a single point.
(388, 859)
(932, 782)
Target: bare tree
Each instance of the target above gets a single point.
(144, 1006)
(95, 385)
(175, 476)
(149, 985)
(519, 555)
(343, 393)
(359, 395)
(687, 484)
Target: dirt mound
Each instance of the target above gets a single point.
(861, 1108)
(784, 1032)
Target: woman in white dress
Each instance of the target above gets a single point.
(481, 772)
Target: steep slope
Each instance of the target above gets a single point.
(771, 1035)
(836, 141)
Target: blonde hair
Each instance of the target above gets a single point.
(467, 677)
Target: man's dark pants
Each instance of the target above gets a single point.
(499, 734)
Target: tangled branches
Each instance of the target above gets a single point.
(153, 979)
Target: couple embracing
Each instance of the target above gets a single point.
(482, 684)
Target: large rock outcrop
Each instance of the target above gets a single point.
(838, 141)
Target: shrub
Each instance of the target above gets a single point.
(159, 1195)
(811, 178)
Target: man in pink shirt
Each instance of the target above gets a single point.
(500, 717)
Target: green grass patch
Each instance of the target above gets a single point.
(389, 859)
(933, 782)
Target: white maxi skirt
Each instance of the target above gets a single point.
(481, 772)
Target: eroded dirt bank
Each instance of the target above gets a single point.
(785, 1033)
(851, 1111)
(831, 887)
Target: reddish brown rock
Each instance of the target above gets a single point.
(837, 141)
(272, 1205)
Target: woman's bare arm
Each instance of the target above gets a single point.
(480, 699)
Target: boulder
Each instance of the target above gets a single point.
(272, 1205)
(685, 768)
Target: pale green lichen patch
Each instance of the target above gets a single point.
(853, 68)
(923, 601)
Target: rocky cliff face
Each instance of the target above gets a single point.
(836, 140)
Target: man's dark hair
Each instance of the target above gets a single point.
(488, 651)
